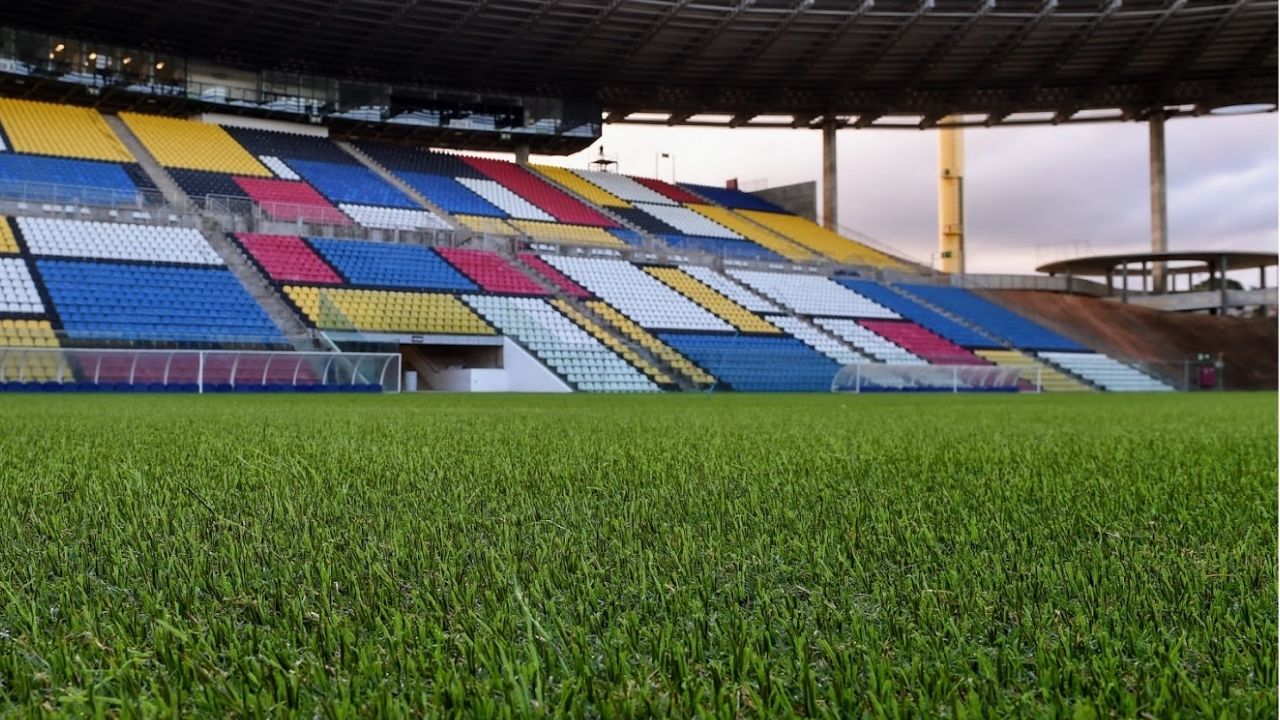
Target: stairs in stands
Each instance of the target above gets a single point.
(461, 232)
(172, 193)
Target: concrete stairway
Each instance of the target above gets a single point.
(172, 193)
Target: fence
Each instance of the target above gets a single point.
(25, 369)
(861, 378)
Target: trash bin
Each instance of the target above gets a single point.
(411, 381)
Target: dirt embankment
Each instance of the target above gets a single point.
(1247, 345)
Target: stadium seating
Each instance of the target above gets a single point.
(812, 294)
(8, 240)
(671, 192)
(394, 218)
(491, 271)
(637, 294)
(1105, 372)
(818, 340)
(554, 276)
(719, 305)
(688, 222)
(565, 348)
(919, 341)
(56, 237)
(1035, 373)
(961, 335)
(821, 240)
(732, 198)
(20, 336)
(578, 182)
(287, 259)
(753, 232)
(752, 363)
(993, 319)
(130, 302)
(40, 128)
(730, 289)
(559, 233)
(486, 225)
(612, 342)
(346, 183)
(624, 190)
(646, 340)
(65, 180)
(18, 292)
(551, 200)
(719, 247)
(389, 265)
(511, 204)
(177, 143)
(291, 200)
(386, 311)
(27, 333)
(868, 342)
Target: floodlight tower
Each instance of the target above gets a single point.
(951, 195)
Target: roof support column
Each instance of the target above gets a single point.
(1159, 198)
(522, 154)
(951, 197)
(830, 178)
(1222, 284)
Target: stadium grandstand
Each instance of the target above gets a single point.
(285, 197)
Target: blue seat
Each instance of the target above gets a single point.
(757, 364)
(957, 333)
(387, 265)
(996, 320)
(343, 183)
(730, 198)
(65, 180)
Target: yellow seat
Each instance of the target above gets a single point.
(753, 232)
(587, 190)
(612, 342)
(487, 225)
(8, 240)
(561, 233)
(715, 303)
(44, 128)
(30, 366)
(1051, 379)
(193, 145)
(821, 240)
(387, 311)
(642, 337)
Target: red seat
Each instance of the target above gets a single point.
(916, 339)
(491, 271)
(286, 258)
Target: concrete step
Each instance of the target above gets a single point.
(172, 193)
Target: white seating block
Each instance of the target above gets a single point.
(813, 295)
(818, 340)
(688, 221)
(731, 289)
(388, 218)
(624, 187)
(117, 241)
(506, 200)
(279, 167)
(637, 294)
(1105, 372)
(18, 293)
(870, 343)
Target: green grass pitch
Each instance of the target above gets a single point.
(843, 556)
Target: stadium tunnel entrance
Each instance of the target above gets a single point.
(448, 363)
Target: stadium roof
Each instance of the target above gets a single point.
(738, 62)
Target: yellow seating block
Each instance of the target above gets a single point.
(612, 342)
(586, 189)
(387, 311)
(487, 225)
(1051, 379)
(193, 145)
(753, 232)
(650, 343)
(567, 234)
(23, 334)
(8, 241)
(819, 239)
(715, 303)
(44, 128)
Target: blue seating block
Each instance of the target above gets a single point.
(343, 183)
(47, 179)
(387, 265)
(757, 364)
(450, 195)
(1017, 330)
(961, 335)
(735, 199)
(721, 247)
(132, 302)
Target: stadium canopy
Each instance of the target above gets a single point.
(862, 63)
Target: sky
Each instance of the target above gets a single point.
(1032, 194)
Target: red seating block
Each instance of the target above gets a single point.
(550, 200)
(291, 200)
(554, 276)
(670, 191)
(491, 271)
(914, 338)
(286, 258)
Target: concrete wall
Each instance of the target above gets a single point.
(801, 198)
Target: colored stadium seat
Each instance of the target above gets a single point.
(730, 289)
(669, 191)
(549, 199)
(733, 198)
(563, 234)
(1105, 372)
(565, 348)
(287, 258)
(994, 319)
(178, 143)
(8, 241)
(491, 271)
(575, 182)
(919, 341)
(821, 240)
(56, 237)
(646, 340)
(115, 301)
(811, 294)
(612, 342)
(511, 204)
(818, 340)
(721, 306)
(450, 195)
(753, 232)
(623, 189)
(291, 200)
(688, 222)
(640, 296)
(486, 225)
(868, 342)
(345, 183)
(18, 293)
(394, 218)
(554, 276)
(41, 128)
(64, 180)
(960, 334)
(385, 311)
(388, 265)
(1035, 373)
(757, 363)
